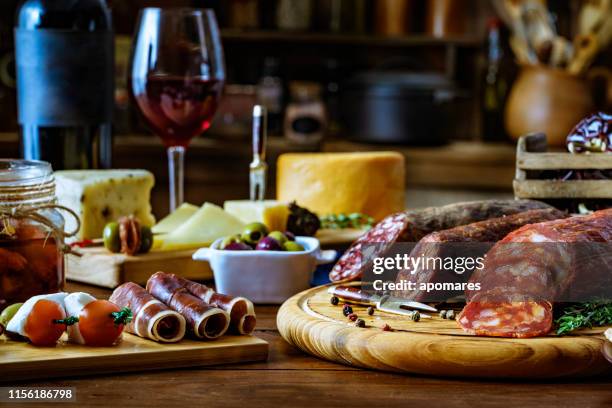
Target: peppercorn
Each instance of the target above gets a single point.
(386, 327)
(352, 317)
(360, 323)
(443, 314)
(416, 316)
(347, 310)
(370, 310)
(334, 300)
(450, 315)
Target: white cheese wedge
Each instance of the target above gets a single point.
(102, 196)
(608, 334)
(175, 219)
(18, 322)
(208, 224)
(272, 213)
(74, 303)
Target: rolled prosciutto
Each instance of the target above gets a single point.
(152, 319)
(241, 310)
(204, 321)
(565, 260)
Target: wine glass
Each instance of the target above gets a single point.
(176, 77)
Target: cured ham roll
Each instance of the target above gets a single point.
(152, 319)
(567, 260)
(241, 310)
(204, 321)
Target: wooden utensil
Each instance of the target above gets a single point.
(592, 15)
(585, 50)
(562, 52)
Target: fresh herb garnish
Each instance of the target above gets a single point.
(124, 316)
(340, 221)
(584, 315)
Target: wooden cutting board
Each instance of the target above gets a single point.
(97, 266)
(432, 346)
(22, 361)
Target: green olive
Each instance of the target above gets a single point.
(146, 239)
(292, 246)
(278, 236)
(8, 313)
(253, 233)
(110, 236)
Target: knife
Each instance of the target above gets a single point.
(258, 167)
(384, 303)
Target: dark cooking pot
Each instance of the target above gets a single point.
(397, 107)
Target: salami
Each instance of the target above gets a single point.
(502, 315)
(151, 318)
(477, 238)
(241, 310)
(203, 320)
(411, 226)
(546, 262)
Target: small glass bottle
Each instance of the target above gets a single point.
(31, 232)
(305, 118)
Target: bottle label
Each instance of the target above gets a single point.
(64, 78)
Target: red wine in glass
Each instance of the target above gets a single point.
(177, 72)
(177, 108)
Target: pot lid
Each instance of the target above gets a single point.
(401, 80)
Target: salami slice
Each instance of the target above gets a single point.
(203, 320)
(241, 310)
(151, 318)
(493, 316)
(548, 262)
(411, 226)
(469, 241)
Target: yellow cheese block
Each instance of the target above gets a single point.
(272, 213)
(371, 183)
(201, 229)
(175, 219)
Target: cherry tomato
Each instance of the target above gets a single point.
(40, 327)
(97, 324)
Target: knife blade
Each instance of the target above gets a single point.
(385, 303)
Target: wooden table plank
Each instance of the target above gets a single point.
(292, 378)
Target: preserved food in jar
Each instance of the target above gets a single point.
(31, 232)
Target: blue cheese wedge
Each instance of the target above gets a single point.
(102, 196)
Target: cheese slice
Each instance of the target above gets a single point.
(18, 322)
(175, 219)
(74, 303)
(102, 196)
(272, 213)
(371, 183)
(209, 223)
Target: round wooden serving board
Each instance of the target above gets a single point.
(432, 346)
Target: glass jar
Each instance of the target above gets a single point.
(31, 232)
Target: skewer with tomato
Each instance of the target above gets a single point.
(98, 323)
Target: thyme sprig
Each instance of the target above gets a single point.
(584, 315)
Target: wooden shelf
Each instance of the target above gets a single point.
(458, 165)
(310, 38)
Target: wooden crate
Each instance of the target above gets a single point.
(533, 157)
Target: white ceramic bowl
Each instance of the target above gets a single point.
(265, 276)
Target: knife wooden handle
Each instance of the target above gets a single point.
(353, 294)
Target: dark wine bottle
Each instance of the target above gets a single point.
(65, 88)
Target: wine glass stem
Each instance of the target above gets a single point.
(176, 166)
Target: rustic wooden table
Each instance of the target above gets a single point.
(293, 379)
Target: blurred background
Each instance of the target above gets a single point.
(432, 79)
